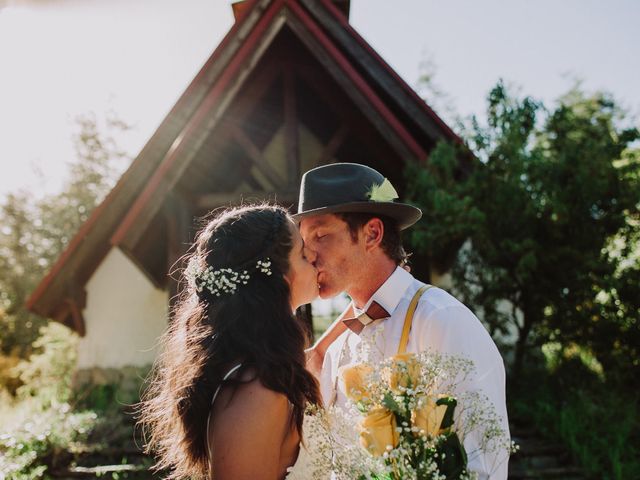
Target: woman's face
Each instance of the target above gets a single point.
(302, 275)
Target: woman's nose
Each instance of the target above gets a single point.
(311, 255)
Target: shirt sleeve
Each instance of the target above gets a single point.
(455, 330)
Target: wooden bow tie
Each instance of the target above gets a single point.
(374, 312)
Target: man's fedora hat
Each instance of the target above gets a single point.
(351, 187)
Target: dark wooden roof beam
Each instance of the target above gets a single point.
(199, 127)
(210, 201)
(292, 144)
(353, 84)
(257, 158)
(332, 147)
(361, 53)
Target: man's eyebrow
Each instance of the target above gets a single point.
(318, 224)
(311, 228)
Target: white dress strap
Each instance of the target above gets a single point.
(213, 399)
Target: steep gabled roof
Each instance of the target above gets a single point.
(400, 116)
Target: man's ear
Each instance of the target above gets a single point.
(373, 231)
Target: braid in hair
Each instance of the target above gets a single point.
(268, 244)
(269, 240)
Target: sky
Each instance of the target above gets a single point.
(60, 59)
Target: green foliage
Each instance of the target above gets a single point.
(39, 429)
(48, 425)
(47, 374)
(597, 421)
(449, 214)
(42, 439)
(35, 230)
(551, 211)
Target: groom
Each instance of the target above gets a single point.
(351, 224)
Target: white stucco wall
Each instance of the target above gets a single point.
(124, 316)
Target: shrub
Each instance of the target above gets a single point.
(38, 440)
(596, 419)
(48, 372)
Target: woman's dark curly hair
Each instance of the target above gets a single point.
(208, 334)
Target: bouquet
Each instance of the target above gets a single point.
(412, 424)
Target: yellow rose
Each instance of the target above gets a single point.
(354, 378)
(404, 372)
(378, 430)
(428, 416)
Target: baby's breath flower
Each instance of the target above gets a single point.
(223, 280)
(418, 451)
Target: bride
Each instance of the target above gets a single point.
(228, 393)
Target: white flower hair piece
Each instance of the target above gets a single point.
(383, 192)
(225, 280)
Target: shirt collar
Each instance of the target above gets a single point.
(390, 293)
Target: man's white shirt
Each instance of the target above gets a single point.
(442, 324)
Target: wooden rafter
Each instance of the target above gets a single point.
(395, 119)
(347, 116)
(334, 143)
(194, 134)
(75, 312)
(354, 84)
(363, 55)
(292, 146)
(210, 201)
(257, 158)
(178, 216)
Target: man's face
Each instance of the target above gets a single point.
(335, 254)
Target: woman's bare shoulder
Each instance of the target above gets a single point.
(253, 419)
(251, 405)
(253, 394)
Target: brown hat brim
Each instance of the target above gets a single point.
(406, 215)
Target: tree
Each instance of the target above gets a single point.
(551, 211)
(35, 231)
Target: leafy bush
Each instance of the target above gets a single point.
(9, 378)
(38, 440)
(550, 211)
(47, 374)
(39, 429)
(597, 420)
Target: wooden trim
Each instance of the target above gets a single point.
(257, 158)
(179, 224)
(210, 201)
(365, 131)
(140, 266)
(292, 143)
(346, 115)
(76, 315)
(69, 313)
(334, 143)
(330, 17)
(177, 158)
(97, 229)
(354, 85)
(263, 80)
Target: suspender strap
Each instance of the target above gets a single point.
(408, 319)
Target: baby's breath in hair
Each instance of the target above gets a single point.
(224, 280)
